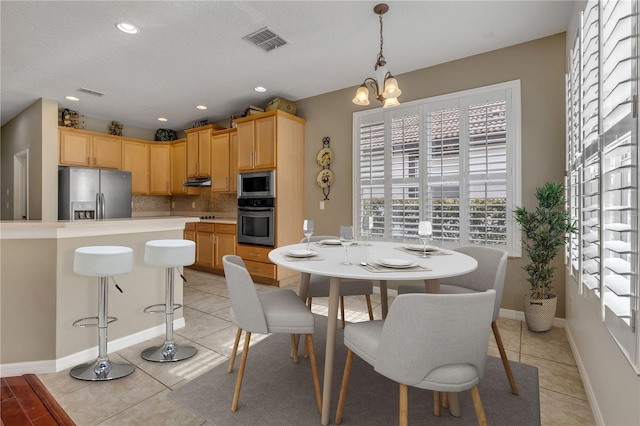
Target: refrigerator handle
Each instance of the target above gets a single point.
(98, 206)
(104, 207)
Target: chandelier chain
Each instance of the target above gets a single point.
(381, 60)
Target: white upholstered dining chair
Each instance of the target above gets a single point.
(277, 311)
(492, 267)
(429, 341)
(319, 286)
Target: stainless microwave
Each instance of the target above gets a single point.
(257, 184)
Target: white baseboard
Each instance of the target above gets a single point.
(593, 402)
(55, 365)
(504, 313)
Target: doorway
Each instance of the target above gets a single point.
(21, 185)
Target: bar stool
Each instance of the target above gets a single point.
(102, 262)
(170, 254)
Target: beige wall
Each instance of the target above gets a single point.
(34, 129)
(540, 67)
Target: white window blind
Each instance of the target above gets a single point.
(603, 161)
(442, 159)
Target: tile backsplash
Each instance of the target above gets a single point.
(207, 201)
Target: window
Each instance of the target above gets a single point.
(452, 160)
(603, 163)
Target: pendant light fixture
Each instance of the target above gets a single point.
(385, 85)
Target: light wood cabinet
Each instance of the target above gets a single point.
(274, 140)
(205, 246)
(225, 243)
(223, 166)
(179, 169)
(233, 162)
(199, 150)
(160, 168)
(135, 159)
(85, 149)
(189, 232)
(257, 144)
(213, 242)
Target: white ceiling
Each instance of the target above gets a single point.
(192, 52)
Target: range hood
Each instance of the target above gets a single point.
(198, 181)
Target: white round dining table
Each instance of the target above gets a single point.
(365, 259)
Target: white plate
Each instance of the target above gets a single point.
(331, 242)
(301, 253)
(419, 247)
(397, 263)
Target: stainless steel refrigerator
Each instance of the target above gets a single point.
(91, 194)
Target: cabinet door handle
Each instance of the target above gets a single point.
(94, 160)
(89, 160)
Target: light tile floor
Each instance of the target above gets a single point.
(142, 398)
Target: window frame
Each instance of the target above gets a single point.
(512, 96)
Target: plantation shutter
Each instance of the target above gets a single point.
(371, 135)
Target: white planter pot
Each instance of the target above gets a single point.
(540, 313)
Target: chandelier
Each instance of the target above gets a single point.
(384, 84)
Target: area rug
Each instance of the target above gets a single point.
(277, 392)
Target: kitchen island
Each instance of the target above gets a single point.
(41, 296)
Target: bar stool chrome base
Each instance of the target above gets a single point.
(101, 369)
(168, 352)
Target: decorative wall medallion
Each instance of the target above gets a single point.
(324, 158)
(325, 179)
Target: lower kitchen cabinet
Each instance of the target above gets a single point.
(225, 243)
(256, 259)
(213, 242)
(205, 248)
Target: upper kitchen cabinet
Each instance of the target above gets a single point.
(160, 169)
(199, 150)
(179, 169)
(257, 143)
(135, 159)
(86, 149)
(264, 139)
(224, 161)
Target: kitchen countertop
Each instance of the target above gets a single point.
(19, 229)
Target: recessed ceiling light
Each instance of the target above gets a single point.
(162, 119)
(72, 98)
(127, 28)
(260, 89)
(201, 107)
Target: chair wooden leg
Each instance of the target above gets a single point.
(342, 310)
(403, 419)
(305, 350)
(235, 350)
(454, 404)
(477, 404)
(436, 404)
(314, 371)
(505, 360)
(243, 362)
(369, 307)
(345, 385)
(445, 400)
(294, 348)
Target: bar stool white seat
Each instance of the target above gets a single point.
(102, 262)
(169, 254)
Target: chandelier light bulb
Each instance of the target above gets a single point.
(390, 102)
(362, 96)
(391, 89)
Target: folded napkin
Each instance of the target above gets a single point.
(375, 267)
(419, 253)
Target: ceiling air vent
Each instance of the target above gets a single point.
(265, 39)
(90, 92)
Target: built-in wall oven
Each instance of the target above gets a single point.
(256, 221)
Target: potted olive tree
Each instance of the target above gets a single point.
(545, 231)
